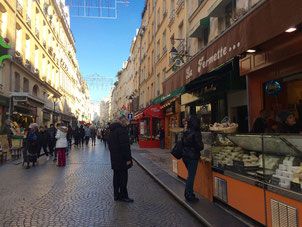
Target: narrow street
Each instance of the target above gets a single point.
(80, 194)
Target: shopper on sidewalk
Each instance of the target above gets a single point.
(87, 135)
(52, 141)
(43, 141)
(82, 135)
(192, 142)
(61, 144)
(92, 134)
(33, 144)
(121, 159)
(162, 138)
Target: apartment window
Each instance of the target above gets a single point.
(229, 13)
(164, 42)
(27, 48)
(164, 74)
(181, 30)
(18, 38)
(172, 6)
(29, 7)
(43, 65)
(158, 50)
(164, 7)
(152, 91)
(36, 90)
(3, 21)
(17, 82)
(25, 85)
(158, 84)
(158, 18)
(36, 63)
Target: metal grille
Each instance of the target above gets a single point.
(220, 190)
(283, 215)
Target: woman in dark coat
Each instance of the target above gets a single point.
(287, 123)
(33, 144)
(43, 138)
(121, 159)
(192, 142)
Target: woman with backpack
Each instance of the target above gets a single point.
(192, 145)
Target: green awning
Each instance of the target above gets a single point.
(200, 27)
(4, 101)
(172, 94)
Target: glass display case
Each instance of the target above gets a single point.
(272, 160)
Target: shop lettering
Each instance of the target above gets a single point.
(189, 73)
(223, 51)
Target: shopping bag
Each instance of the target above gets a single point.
(177, 150)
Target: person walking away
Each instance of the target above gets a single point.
(121, 159)
(82, 135)
(93, 134)
(103, 134)
(69, 139)
(52, 141)
(99, 133)
(76, 136)
(287, 123)
(87, 135)
(43, 138)
(32, 144)
(61, 144)
(192, 143)
(162, 138)
(106, 136)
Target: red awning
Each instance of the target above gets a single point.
(150, 111)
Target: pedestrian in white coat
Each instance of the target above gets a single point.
(61, 144)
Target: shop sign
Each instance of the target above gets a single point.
(239, 39)
(209, 88)
(130, 116)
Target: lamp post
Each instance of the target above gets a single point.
(55, 99)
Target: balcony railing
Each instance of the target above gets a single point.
(37, 33)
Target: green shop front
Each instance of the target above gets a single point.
(173, 114)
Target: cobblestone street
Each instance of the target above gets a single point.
(81, 195)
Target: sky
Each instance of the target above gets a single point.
(104, 44)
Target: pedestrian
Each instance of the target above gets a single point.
(76, 135)
(43, 138)
(32, 144)
(52, 141)
(287, 123)
(106, 135)
(120, 155)
(103, 134)
(93, 134)
(61, 144)
(82, 135)
(162, 138)
(99, 134)
(87, 134)
(69, 138)
(192, 145)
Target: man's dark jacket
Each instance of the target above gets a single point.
(119, 146)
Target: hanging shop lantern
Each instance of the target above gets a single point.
(273, 88)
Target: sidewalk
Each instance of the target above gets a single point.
(158, 163)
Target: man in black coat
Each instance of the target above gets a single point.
(121, 159)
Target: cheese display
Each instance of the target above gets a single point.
(287, 173)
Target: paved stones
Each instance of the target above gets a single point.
(80, 194)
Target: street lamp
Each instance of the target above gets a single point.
(55, 99)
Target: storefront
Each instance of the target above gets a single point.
(208, 97)
(257, 175)
(150, 121)
(46, 116)
(170, 104)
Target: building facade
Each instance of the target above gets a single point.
(42, 81)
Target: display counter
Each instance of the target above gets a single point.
(258, 175)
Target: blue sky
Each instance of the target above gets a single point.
(103, 44)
